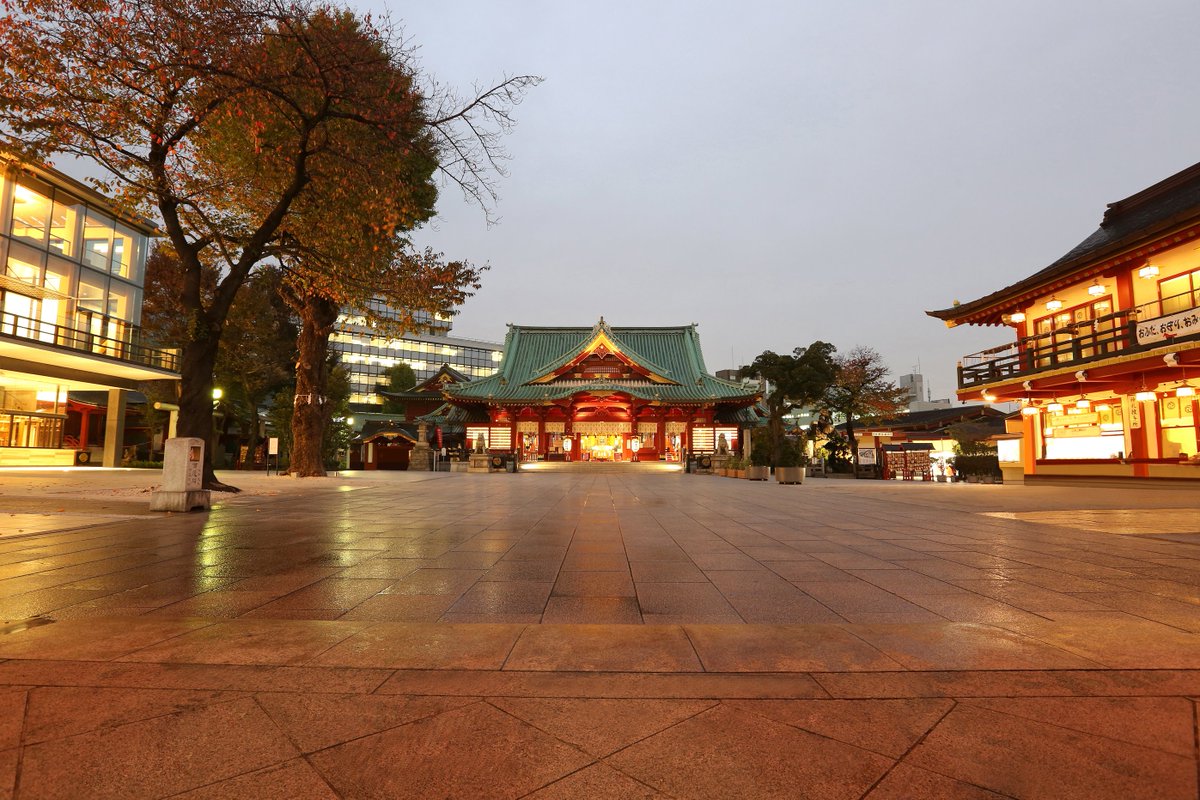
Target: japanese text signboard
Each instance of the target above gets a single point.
(1185, 323)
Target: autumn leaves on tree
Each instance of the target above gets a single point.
(282, 132)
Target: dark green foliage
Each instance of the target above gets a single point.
(799, 379)
(760, 453)
(837, 453)
(399, 378)
(791, 454)
(982, 465)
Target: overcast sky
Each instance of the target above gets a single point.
(789, 171)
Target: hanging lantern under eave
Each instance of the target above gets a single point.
(1145, 397)
(1029, 411)
(1148, 271)
(1185, 391)
(1054, 304)
(1083, 402)
(1017, 317)
(1055, 407)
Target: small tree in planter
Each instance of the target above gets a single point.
(792, 463)
(759, 468)
(737, 465)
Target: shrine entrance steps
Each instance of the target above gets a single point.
(603, 467)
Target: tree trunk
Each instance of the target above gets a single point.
(196, 363)
(312, 409)
(853, 441)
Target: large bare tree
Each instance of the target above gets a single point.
(163, 95)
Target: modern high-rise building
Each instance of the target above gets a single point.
(919, 397)
(367, 353)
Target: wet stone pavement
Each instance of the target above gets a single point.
(602, 636)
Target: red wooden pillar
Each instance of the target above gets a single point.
(660, 439)
(1031, 442)
(542, 446)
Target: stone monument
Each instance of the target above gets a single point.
(478, 461)
(721, 458)
(183, 477)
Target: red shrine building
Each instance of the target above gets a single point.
(1105, 356)
(603, 394)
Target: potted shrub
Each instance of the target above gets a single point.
(736, 467)
(792, 464)
(759, 468)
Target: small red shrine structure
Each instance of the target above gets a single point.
(604, 394)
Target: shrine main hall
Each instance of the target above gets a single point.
(603, 394)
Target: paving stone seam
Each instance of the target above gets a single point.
(913, 746)
(16, 787)
(967, 701)
(1196, 740)
(602, 759)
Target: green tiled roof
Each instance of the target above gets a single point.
(671, 353)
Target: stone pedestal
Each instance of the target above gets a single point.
(459, 466)
(480, 462)
(420, 459)
(720, 461)
(183, 477)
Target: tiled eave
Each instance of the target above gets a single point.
(990, 310)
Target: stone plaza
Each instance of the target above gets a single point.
(601, 635)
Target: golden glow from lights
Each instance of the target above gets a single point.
(1017, 317)
(1083, 402)
(1097, 289)
(1148, 271)
(1055, 407)
(1054, 304)
(1185, 391)
(1030, 411)
(1145, 397)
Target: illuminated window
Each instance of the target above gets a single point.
(31, 211)
(64, 224)
(97, 240)
(1180, 293)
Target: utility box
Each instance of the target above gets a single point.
(183, 477)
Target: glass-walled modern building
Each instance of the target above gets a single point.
(367, 353)
(70, 305)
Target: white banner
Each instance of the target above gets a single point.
(866, 456)
(603, 428)
(1185, 323)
